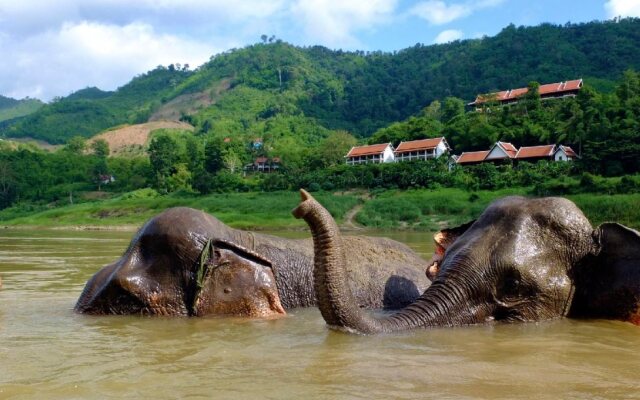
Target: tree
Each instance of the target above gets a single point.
(163, 157)
(333, 149)
(531, 100)
(213, 155)
(7, 184)
(180, 179)
(195, 155)
(76, 145)
(451, 108)
(232, 161)
(100, 148)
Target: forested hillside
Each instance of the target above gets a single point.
(10, 109)
(91, 110)
(276, 89)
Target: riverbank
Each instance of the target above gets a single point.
(255, 211)
(427, 210)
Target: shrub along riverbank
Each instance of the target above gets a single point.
(418, 209)
(240, 210)
(433, 209)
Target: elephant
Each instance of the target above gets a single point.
(523, 259)
(186, 262)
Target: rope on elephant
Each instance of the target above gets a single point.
(205, 256)
(253, 241)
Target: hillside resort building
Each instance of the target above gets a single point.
(547, 91)
(422, 149)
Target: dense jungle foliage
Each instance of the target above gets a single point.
(349, 90)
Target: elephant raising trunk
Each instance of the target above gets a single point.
(522, 260)
(334, 296)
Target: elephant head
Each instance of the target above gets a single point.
(521, 260)
(174, 267)
(232, 280)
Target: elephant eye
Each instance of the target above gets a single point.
(510, 285)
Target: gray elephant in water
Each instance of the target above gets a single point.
(186, 262)
(521, 260)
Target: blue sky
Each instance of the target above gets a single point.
(53, 47)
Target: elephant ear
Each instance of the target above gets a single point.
(243, 252)
(608, 284)
(443, 240)
(209, 255)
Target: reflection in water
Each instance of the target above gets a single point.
(48, 351)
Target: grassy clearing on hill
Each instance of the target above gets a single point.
(123, 138)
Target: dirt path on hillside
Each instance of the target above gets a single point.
(349, 219)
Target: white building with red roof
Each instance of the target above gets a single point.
(501, 151)
(564, 153)
(423, 149)
(547, 91)
(375, 153)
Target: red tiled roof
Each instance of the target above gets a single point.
(367, 150)
(472, 156)
(264, 160)
(568, 151)
(508, 147)
(423, 144)
(513, 93)
(549, 88)
(573, 85)
(536, 151)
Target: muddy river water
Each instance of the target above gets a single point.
(48, 352)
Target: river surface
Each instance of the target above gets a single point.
(48, 352)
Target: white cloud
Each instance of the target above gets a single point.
(333, 23)
(622, 8)
(58, 46)
(448, 36)
(90, 54)
(438, 12)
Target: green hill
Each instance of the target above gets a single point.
(278, 89)
(89, 111)
(11, 109)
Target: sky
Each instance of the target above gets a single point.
(52, 48)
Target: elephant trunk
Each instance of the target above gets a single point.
(336, 302)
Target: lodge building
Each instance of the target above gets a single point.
(512, 96)
(503, 152)
(423, 149)
(372, 154)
